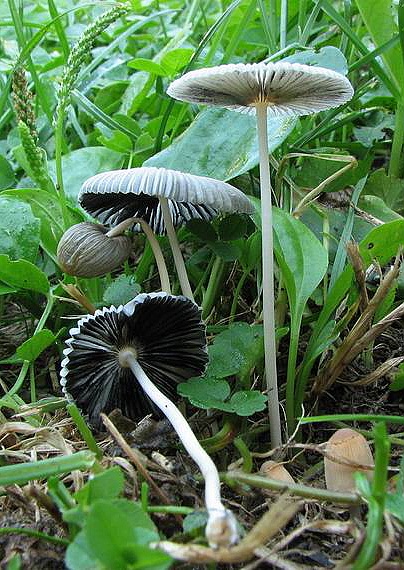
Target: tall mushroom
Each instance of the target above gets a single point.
(132, 357)
(163, 198)
(261, 89)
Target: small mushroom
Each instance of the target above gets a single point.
(163, 198)
(132, 357)
(261, 89)
(277, 471)
(347, 452)
(86, 250)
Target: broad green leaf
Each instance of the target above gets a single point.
(232, 227)
(148, 65)
(82, 163)
(105, 485)
(227, 251)
(7, 178)
(34, 346)
(205, 393)
(195, 523)
(176, 59)
(382, 243)
(328, 56)
(121, 290)
(118, 142)
(19, 229)
(376, 207)
(6, 289)
(46, 208)
(389, 188)
(236, 350)
(23, 275)
(301, 257)
(221, 144)
(379, 19)
(246, 403)
(115, 535)
(203, 229)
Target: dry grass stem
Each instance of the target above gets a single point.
(274, 520)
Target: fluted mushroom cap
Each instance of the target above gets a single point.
(168, 337)
(114, 196)
(287, 88)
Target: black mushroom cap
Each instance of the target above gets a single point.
(165, 331)
(114, 196)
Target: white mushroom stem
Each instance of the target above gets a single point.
(175, 248)
(154, 244)
(268, 278)
(221, 529)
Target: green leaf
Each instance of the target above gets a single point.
(115, 535)
(301, 258)
(34, 346)
(202, 229)
(398, 381)
(121, 290)
(246, 403)
(236, 350)
(205, 393)
(379, 18)
(23, 472)
(389, 188)
(19, 229)
(7, 178)
(23, 275)
(195, 523)
(105, 485)
(221, 144)
(328, 56)
(227, 251)
(148, 65)
(176, 59)
(46, 208)
(118, 142)
(82, 163)
(232, 227)
(376, 207)
(382, 243)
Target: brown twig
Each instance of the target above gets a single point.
(272, 521)
(123, 444)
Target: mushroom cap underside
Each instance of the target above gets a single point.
(166, 333)
(286, 88)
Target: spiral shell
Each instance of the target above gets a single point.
(86, 251)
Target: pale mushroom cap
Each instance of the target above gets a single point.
(348, 445)
(277, 471)
(114, 196)
(287, 88)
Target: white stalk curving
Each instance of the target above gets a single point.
(221, 529)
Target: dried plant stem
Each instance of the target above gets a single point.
(268, 279)
(154, 244)
(361, 335)
(359, 270)
(273, 521)
(175, 248)
(134, 458)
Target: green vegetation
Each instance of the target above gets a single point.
(83, 91)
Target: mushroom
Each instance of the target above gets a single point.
(277, 89)
(132, 357)
(86, 250)
(163, 198)
(277, 471)
(347, 452)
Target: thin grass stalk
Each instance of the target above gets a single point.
(268, 279)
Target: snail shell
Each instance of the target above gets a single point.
(86, 251)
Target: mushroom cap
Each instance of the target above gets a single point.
(347, 445)
(114, 196)
(166, 333)
(85, 251)
(277, 471)
(287, 88)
